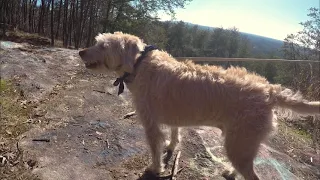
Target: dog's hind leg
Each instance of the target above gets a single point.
(241, 152)
(242, 143)
(155, 139)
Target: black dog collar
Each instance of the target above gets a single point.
(119, 81)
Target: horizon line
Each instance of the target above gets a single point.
(223, 28)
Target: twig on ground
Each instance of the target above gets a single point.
(42, 140)
(126, 116)
(102, 92)
(175, 167)
(20, 151)
(180, 170)
(99, 91)
(18, 148)
(107, 142)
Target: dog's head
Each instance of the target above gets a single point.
(115, 52)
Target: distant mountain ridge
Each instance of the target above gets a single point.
(261, 45)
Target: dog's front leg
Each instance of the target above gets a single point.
(175, 139)
(155, 139)
(171, 146)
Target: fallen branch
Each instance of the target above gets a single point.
(41, 140)
(175, 167)
(107, 143)
(25, 49)
(99, 91)
(18, 148)
(126, 116)
(180, 170)
(103, 92)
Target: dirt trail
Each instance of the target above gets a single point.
(82, 117)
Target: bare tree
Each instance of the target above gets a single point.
(58, 21)
(91, 15)
(52, 31)
(72, 20)
(65, 24)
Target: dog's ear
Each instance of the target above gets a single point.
(131, 50)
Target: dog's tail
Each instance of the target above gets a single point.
(287, 99)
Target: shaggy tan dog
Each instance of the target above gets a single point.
(179, 94)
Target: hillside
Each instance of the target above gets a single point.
(265, 45)
(260, 45)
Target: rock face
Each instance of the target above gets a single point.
(81, 132)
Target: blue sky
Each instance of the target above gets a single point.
(270, 18)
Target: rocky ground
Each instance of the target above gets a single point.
(74, 128)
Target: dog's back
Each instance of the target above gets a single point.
(186, 94)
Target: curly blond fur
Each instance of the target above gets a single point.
(181, 94)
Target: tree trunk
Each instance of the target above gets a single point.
(65, 24)
(113, 27)
(23, 15)
(318, 46)
(41, 14)
(59, 15)
(46, 23)
(78, 24)
(71, 18)
(84, 22)
(30, 16)
(106, 21)
(3, 19)
(90, 24)
(52, 32)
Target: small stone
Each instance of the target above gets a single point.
(31, 163)
(3, 160)
(38, 112)
(24, 102)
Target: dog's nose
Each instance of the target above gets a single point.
(81, 53)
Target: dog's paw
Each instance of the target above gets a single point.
(229, 174)
(169, 146)
(155, 169)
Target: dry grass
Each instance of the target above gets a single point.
(14, 111)
(292, 141)
(14, 121)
